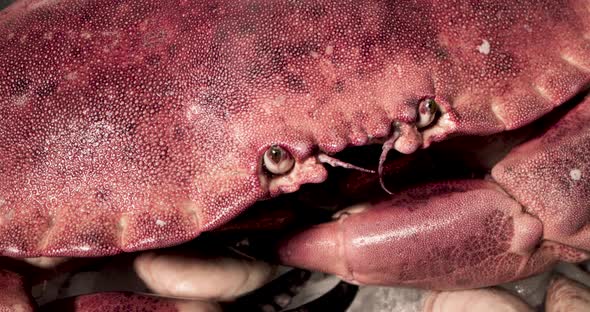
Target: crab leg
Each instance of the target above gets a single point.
(108, 302)
(13, 296)
(532, 213)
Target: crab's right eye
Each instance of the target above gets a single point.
(277, 160)
(427, 110)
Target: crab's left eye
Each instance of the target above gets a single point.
(427, 110)
(277, 160)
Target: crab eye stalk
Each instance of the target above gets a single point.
(277, 160)
(427, 110)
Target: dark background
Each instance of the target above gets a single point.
(4, 3)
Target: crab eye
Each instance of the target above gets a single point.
(427, 110)
(277, 160)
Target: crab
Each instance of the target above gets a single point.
(135, 125)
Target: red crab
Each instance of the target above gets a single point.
(135, 125)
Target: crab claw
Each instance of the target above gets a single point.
(444, 236)
(530, 214)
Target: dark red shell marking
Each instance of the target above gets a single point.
(127, 125)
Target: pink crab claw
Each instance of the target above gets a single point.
(531, 213)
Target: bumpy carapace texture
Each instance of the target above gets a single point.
(127, 125)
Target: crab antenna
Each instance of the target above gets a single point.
(387, 146)
(334, 162)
